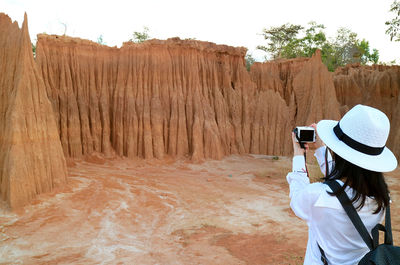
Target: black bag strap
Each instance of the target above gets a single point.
(373, 242)
(352, 213)
(323, 256)
(387, 229)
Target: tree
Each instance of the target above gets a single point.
(314, 39)
(34, 50)
(328, 57)
(366, 55)
(279, 39)
(100, 40)
(65, 27)
(249, 61)
(393, 25)
(139, 37)
(291, 41)
(374, 57)
(345, 47)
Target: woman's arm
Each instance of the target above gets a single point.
(302, 194)
(298, 182)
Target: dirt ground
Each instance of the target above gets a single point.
(233, 211)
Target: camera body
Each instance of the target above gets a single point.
(304, 134)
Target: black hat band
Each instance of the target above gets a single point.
(368, 150)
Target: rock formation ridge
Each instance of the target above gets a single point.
(31, 157)
(178, 98)
(377, 86)
(305, 84)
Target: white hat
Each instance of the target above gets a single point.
(360, 138)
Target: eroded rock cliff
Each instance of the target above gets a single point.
(31, 156)
(174, 97)
(178, 98)
(305, 84)
(377, 86)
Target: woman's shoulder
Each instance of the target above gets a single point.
(319, 196)
(314, 191)
(318, 188)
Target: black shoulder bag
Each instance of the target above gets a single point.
(385, 253)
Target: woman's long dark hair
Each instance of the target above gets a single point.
(364, 182)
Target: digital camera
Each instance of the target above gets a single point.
(304, 134)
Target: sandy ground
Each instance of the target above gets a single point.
(233, 211)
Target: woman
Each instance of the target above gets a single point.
(356, 156)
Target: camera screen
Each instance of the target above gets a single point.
(307, 135)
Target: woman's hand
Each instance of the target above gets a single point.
(297, 150)
(318, 143)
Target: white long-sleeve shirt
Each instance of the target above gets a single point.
(328, 223)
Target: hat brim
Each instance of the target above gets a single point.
(385, 162)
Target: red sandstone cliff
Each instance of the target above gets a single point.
(305, 84)
(174, 97)
(31, 157)
(377, 86)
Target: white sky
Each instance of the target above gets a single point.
(231, 22)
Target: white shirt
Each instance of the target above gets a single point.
(328, 223)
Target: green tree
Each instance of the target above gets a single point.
(291, 41)
(279, 39)
(363, 47)
(139, 37)
(34, 50)
(100, 40)
(393, 25)
(374, 57)
(292, 49)
(328, 56)
(366, 55)
(314, 39)
(345, 47)
(249, 61)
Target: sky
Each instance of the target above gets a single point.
(231, 22)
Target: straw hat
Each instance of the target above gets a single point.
(360, 138)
